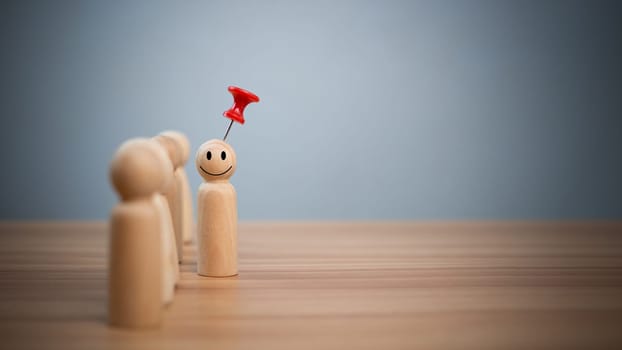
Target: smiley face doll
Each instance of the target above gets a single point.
(217, 211)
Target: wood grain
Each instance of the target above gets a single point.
(386, 285)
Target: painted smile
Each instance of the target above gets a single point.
(224, 172)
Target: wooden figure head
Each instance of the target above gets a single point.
(215, 160)
(136, 170)
(182, 143)
(166, 164)
(173, 148)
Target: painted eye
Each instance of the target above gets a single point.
(209, 155)
(223, 155)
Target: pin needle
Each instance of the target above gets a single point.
(227, 133)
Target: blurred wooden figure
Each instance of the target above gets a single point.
(175, 155)
(135, 277)
(169, 260)
(217, 211)
(183, 186)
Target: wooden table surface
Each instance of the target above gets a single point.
(331, 285)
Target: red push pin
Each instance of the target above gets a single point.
(241, 98)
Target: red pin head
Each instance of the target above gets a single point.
(241, 98)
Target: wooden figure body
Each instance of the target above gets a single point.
(169, 260)
(175, 155)
(186, 203)
(135, 276)
(217, 211)
(183, 186)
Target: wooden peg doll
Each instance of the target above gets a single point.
(175, 155)
(217, 211)
(183, 186)
(169, 261)
(134, 290)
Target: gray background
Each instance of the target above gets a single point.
(370, 109)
